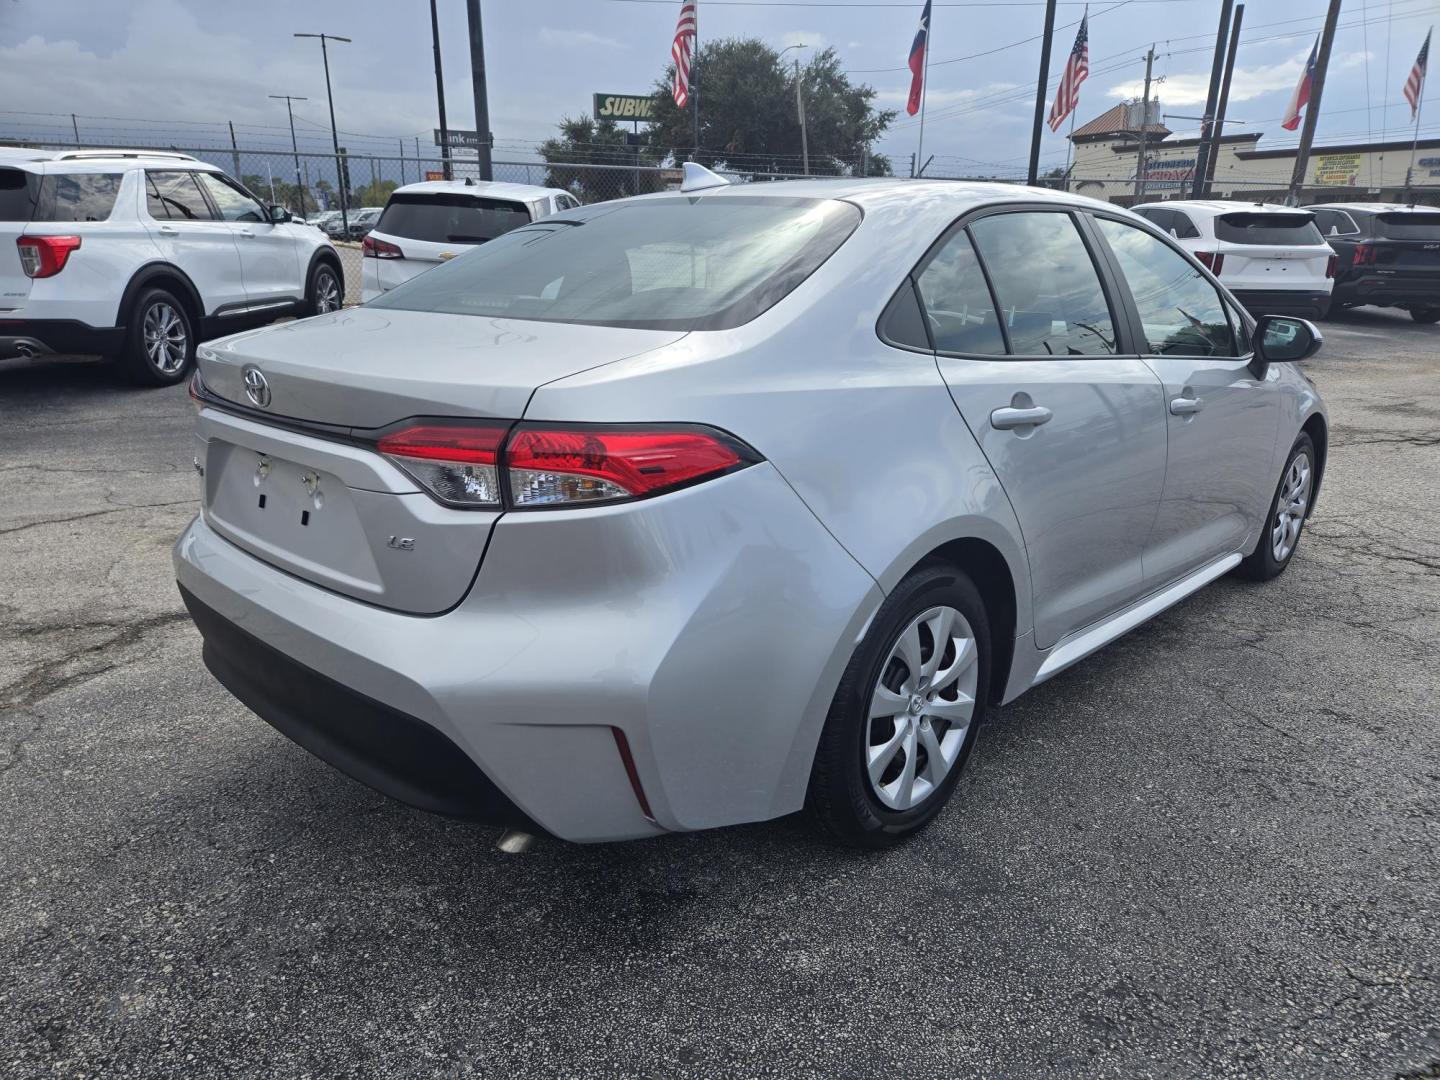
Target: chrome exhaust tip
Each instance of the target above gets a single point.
(515, 842)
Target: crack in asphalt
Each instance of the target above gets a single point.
(96, 513)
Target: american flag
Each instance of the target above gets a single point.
(1415, 85)
(682, 50)
(1077, 69)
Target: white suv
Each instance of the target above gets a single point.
(138, 255)
(426, 224)
(1273, 258)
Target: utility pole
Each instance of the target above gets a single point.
(1144, 128)
(75, 126)
(477, 81)
(1217, 129)
(294, 146)
(800, 107)
(1207, 122)
(1039, 91)
(439, 95)
(340, 172)
(1312, 110)
(234, 151)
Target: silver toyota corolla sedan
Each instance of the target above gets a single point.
(709, 506)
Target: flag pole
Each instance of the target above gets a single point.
(1419, 101)
(695, 82)
(1070, 139)
(924, 93)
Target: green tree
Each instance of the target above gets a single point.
(748, 118)
(583, 141)
(373, 194)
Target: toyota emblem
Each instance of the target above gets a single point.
(257, 389)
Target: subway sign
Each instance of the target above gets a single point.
(624, 106)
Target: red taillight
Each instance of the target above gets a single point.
(370, 248)
(457, 463)
(1364, 255)
(565, 466)
(462, 463)
(1211, 260)
(1330, 265)
(45, 256)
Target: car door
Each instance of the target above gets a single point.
(1222, 420)
(269, 259)
(187, 232)
(1074, 429)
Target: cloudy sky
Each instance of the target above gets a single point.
(178, 69)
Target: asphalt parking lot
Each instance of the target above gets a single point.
(1213, 849)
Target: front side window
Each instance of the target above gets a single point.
(667, 264)
(1047, 285)
(233, 204)
(957, 301)
(1182, 313)
(1297, 229)
(176, 196)
(450, 219)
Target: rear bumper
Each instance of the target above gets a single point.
(41, 337)
(709, 626)
(1314, 305)
(1389, 289)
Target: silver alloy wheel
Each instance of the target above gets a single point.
(327, 292)
(166, 339)
(921, 707)
(1290, 508)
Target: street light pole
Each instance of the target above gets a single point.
(334, 132)
(440, 94)
(800, 110)
(293, 144)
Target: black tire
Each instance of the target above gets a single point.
(1263, 563)
(325, 291)
(1425, 314)
(842, 801)
(159, 340)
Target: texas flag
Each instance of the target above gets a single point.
(917, 61)
(1302, 92)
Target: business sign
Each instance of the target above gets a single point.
(1168, 175)
(460, 140)
(1430, 165)
(1337, 170)
(624, 107)
(434, 174)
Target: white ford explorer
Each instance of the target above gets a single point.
(138, 255)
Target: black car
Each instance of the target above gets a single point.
(1389, 255)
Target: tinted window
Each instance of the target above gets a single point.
(957, 301)
(1162, 219)
(1047, 286)
(76, 196)
(178, 197)
(668, 264)
(1242, 228)
(18, 191)
(902, 322)
(1413, 225)
(450, 219)
(234, 204)
(1182, 313)
(1184, 228)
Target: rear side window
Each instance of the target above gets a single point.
(57, 197)
(1412, 225)
(710, 263)
(1048, 288)
(1184, 228)
(1244, 228)
(957, 301)
(176, 196)
(450, 219)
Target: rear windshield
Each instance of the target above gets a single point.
(668, 264)
(1412, 225)
(1268, 229)
(24, 196)
(450, 219)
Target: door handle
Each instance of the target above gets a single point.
(1008, 418)
(168, 230)
(1184, 406)
(247, 232)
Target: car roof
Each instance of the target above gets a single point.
(106, 160)
(953, 196)
(1374, 208)
(489, 189)
(1219, 206)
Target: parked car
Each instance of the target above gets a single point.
(1272, 258)
(429, 223)
(323, 219)
(700, 508)
(1389, 255)
(137, 255)
(362, 221)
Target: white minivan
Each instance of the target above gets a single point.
(1273, 258)
(426, 224)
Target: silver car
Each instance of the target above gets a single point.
(708, 507)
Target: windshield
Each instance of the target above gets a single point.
(450, 219)
(707, 263)
(1413, 225)
(1287, 229)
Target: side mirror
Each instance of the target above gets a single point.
(279, 215)
(1281, 339)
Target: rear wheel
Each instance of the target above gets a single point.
(159, 340)
(1281, 534)
(325, 292)
(906, 714)
(1425, 314)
